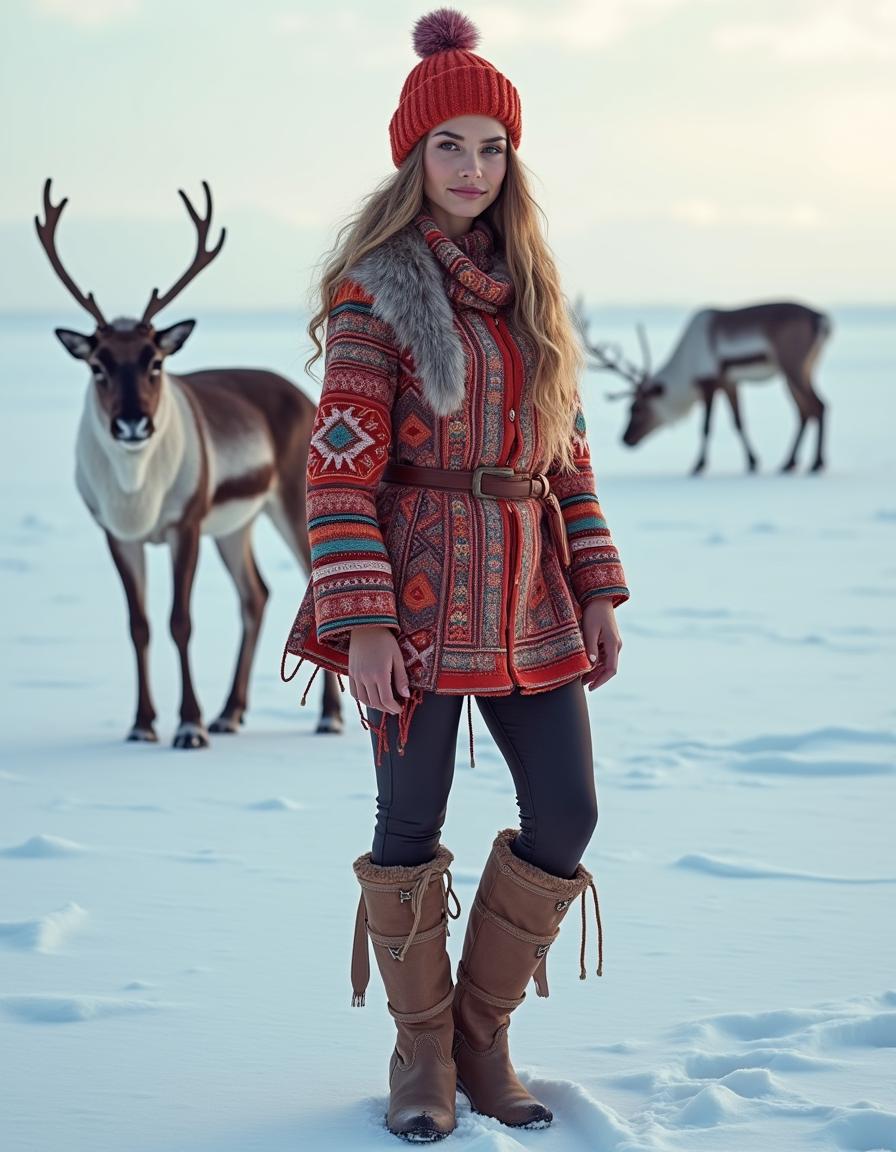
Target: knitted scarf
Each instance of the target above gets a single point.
(476, 275)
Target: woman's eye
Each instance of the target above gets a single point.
(451, 144)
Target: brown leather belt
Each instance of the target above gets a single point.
(492, 483)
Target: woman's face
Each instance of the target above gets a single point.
(464, 152)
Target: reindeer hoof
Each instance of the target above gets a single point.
(330, 724)
(140, 735)
(226, 725)
(191, 736)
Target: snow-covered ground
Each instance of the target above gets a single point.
(175, 927)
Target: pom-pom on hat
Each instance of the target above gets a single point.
(450, 81)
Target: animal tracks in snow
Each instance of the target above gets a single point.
(734, 1070)
(817, 752)
(755, 870)
(43, 933)
(44, 848)
(797, 741)
(64, 1009)
(276, 804)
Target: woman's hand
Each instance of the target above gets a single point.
(374, 657)
(602, 640)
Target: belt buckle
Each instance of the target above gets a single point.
(493, 470)
(545, 485)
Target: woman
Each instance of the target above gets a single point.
(458, 548)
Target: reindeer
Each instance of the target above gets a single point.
(162, 458)
(719, 349)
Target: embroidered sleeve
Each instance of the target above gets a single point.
(351, 573)
(595, 569)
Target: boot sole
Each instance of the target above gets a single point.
(413, 1138)
(532, 1126)
(420, 1137)
(424, 1136)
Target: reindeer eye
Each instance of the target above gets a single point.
(100, 377)
(156, 369)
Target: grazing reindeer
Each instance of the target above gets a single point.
(163, 458)
(719, 349)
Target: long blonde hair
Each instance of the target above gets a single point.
(540, 306)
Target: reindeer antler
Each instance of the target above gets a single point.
(608, 356)
(46, 233)
(203, 255)
(610, 359)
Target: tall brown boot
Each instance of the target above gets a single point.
(514, 919)
(404, 911)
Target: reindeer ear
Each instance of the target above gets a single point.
(79, 345)
(171, 339)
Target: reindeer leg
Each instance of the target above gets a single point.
(284, 518)
(804, 407)
(818, 408)
(131, 564)
(708, 389)
(236, 552)
(184, 544)
(731, 392)
(819, 462)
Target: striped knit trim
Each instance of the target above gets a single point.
(608, 590)
(350, 622)
(371, 584)
(350, 306)
(585, 523)
(610, 556)
(347, 544)
(577, 498)
(342, 516)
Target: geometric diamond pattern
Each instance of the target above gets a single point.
(340, 438)
(414, 431)
(418, 593)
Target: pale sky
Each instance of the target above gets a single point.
(695, 152)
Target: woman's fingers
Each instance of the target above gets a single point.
(373, 656)
(357, 690)
(400, 674)
(607, 663)
(381, 689)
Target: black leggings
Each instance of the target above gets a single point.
(545, 738)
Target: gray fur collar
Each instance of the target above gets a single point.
(406, 282)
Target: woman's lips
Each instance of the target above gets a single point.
(470, 193)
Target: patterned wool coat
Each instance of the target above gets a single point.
(425, 366)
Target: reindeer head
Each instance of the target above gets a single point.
(645, 390)
(125, 360)
(126, 357)
(645, 415)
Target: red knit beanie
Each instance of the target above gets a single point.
(450, 81)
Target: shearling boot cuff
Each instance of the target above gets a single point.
(565, 888)
(365, 869)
